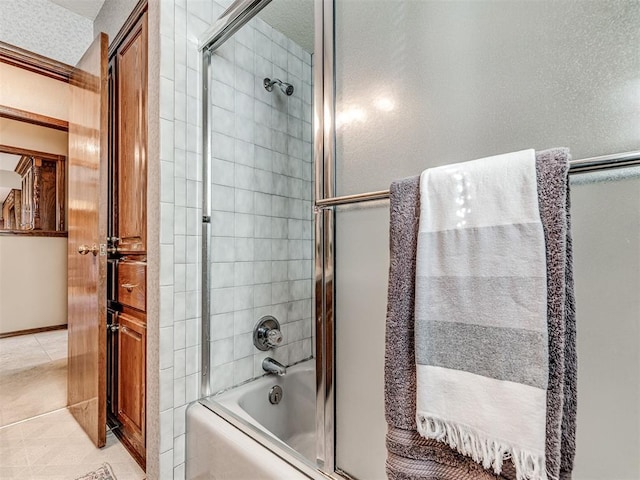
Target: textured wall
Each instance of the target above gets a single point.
(112, 16)
(45, 28)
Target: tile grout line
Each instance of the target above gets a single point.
(42, 347)
(31, 418)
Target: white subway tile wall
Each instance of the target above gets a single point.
(262, 193)
(262, 212)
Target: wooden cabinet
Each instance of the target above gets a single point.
(127, 232)
(131, 370)
(131, 124)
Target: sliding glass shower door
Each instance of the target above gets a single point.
(422, 84)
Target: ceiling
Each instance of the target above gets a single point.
(294, 18)
(86, 8)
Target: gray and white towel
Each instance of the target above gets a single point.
(413, 457)
(481, 329)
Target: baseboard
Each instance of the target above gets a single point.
(31, 331)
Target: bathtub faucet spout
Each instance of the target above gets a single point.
(270, 365)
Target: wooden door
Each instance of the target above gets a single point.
(132, 340)
(87, 222)
(131, 154)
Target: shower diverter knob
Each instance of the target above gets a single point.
(274, 338)
(267, 334)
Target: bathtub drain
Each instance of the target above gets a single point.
(275, 395)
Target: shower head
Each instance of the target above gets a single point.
(286, 88)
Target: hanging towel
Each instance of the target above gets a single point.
(481, 331)
(410, 456)
(552, 168)
(413, 457)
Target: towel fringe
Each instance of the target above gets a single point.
(485, 451)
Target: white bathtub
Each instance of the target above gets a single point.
(240, 435)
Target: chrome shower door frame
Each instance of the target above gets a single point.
(237, 15)
(324, 162)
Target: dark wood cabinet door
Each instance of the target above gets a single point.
(128, 228)
(132, 340)
(131, 152)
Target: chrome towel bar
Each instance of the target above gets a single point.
(616, 160)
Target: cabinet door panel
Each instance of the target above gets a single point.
(131, 153)
(131, 376)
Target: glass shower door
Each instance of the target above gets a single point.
(422, 84)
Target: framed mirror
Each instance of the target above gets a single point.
(34, 95)
(32, 190)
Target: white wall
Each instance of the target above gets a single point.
(34, 93)
(33, 137)
(45, 28)
(33, 282)
(421, 84)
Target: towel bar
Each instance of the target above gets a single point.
(616, 160)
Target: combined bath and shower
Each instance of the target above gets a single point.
(286, 88)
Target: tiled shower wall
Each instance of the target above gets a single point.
(262, 245)
(181, 23)
(261, 200)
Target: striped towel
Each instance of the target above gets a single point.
(481, 345)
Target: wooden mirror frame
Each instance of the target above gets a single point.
(24, 59)
(60, 188)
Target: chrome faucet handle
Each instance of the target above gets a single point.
(267, 334)
(274, 337)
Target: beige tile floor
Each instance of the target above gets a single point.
(33, 375)
(51, 446)
(54, 447)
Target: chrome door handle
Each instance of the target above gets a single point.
(84, 249)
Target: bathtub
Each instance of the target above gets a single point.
(240, 435)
